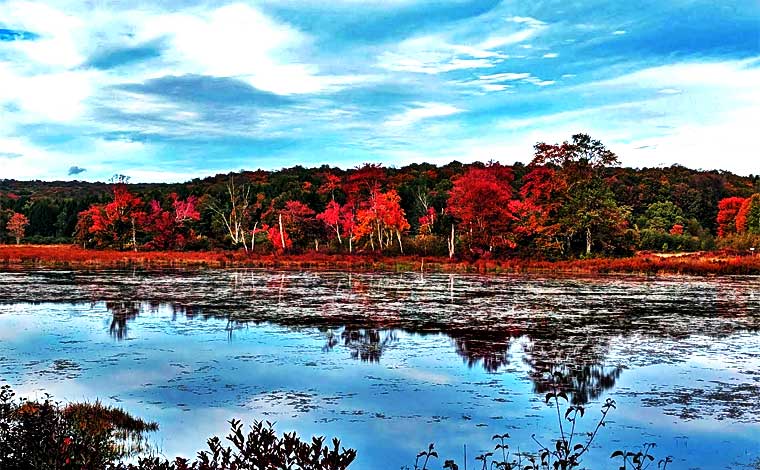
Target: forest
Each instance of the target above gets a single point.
(573, 200)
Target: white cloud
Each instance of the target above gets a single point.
(239, 41)
(434, 55)
(421, 111)
(467, 46)
(726, 75)
(527, 20)
(505, 77)
(550, 55)
(619, 32)
(431, 63)
(56, 96)
(538, 82)
(498, 81)
(514, 38)
(495, 87)
(705, 120)
(60, 34)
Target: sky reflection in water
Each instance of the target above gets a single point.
(392, 362)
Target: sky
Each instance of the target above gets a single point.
(169, 90)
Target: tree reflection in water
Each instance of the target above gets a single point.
(490, 349)
(367, 345)
(559, 327)
(575, 365)
(121, 314)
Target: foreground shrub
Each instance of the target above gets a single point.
(45, 435)
(259, 449)
(89, 436)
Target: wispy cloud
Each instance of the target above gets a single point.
(421, 111)
(464, 47)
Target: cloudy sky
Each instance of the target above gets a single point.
(170, 90)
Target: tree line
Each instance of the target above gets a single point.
(572, 200)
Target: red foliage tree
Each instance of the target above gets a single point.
(480, 201)
(541, 199)
(116, 223)
(331, 183)
(279, 238)
(728, 209)
(170, 229)
(578, 206)
(365, 180)
(298, 222)
(427, 221)
(17, 226)
(340, 221)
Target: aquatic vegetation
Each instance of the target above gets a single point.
(565, 453)
(641, 460)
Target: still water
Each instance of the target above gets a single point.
(391, 362)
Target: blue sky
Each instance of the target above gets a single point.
(171, 90)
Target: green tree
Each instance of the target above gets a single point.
(662, 216)
(583, 208)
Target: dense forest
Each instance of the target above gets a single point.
(572, 200)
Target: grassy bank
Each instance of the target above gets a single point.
(69, 256)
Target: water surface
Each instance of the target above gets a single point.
(391, 362)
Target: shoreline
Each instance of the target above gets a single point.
(70, 256)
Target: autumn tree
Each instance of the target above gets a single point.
(170, 228)
(748, 217)
(536, 227)
(480, 201)
(360, 184)
(330, 184)
(297, 220)
(381, 219)
(728, 209)
(17, 226)
(340, 221)
(582, 206)
(116, 223)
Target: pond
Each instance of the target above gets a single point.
(390, 362)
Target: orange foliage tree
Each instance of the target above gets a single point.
(728, 209)
(380, 219)
(748, 217)
(17, 226)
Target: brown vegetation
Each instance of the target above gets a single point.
(706, 263)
